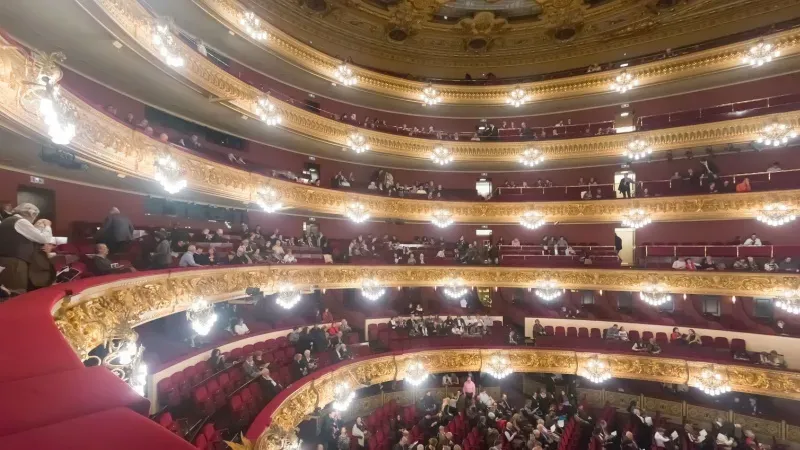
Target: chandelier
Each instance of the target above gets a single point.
(268, 199)
(760, 54)
(517, 97)
(441, 156)
(789, 301)
(548, 290)
(776, 214)
(498, 366)
(372, 289)
(343, 395)
(655, 295)
(531, 220)
(357, 142)
(712, 382)
(168, 174)
(531, 157)
(596, 370)
(267, 112)
(124, 359)
(430, 96)
(202, 316)
(635, 218)
(357, 212)
(416, 373)
(288, 296)
(442, 218)
(345, 75)
(252, 26)
(638, 149)
(624, 82)
(43, 97)
(167, 45)
(776, 134)
(454, 288)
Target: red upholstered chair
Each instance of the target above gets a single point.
(633, 336)
(707, 341)
(216, 392)
(572, 332)
(237, 353)
(282, 341)
(203, 400)
(596, 333)
(166, 421)
(212, 435)
(248, 349)
(549, 330)
(260, 346)
(249, 400)
(239, 412)
(560, 332)
(257, 393)
(201, 442)
(237, 376)
(583, 332)
(721, 344)
(662, 338)
(738, 345)
(225, 383)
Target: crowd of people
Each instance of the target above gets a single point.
(741, 264)
(417, 324)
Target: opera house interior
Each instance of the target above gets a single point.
(399, 224)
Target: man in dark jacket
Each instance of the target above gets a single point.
(162, 257)
(117, 231)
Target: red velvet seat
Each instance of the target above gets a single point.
(225, 383)
(248, 349)
(647, 335)
(203, 400)
(595, 333)
(721, 343)
(662, 338)
(572, 332)
(583, 332)
(738, 345)
(201, 442)
(560, 331)
(633, 336)
(549, 330)
(706, 341)
(212, 435)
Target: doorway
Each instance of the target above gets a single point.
(44, 199)
(619, 175)
(628, 237)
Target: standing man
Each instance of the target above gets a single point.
(625, 187)
(19, 241)
(117, 231)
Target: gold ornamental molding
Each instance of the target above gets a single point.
(138, 23)
(229, 12)
(88, 318)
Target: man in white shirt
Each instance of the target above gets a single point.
(289, 258)
(516, 243)
(752, 241)
(679, 264)
(240, 329)
(485, 398)
(187, 260)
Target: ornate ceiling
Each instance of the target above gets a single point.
(509, 37)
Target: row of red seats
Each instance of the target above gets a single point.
(246, 404)
(213, 393)
(719, 342)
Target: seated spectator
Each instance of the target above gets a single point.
(744, 186)
(752, 241)
(741, 264)
(538, 329)
(679, 264)
(690, 264)
(707, 264)
(217, 360)
(751, 264)
(569, 251)
(613, 332)
(675, 335)
(771, 266)
(289, 257)
(775, 167)
(240, 329)
(692, 338)
(788, 266)
(771, 359)
(440, 253)
(513, 338)
(249, 367)
(101, 265)
(219, 236)
(515, 242)
(344, 327)
(623, 334)
(187, 260)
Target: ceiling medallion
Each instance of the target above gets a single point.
(712, 382)
(343, 395)
(761, 54)
(267, 112)
(624, 82)
(372, 289)
(202, 316)
(357, 142)
(596, 370)
(357, 212)
(168, 174)
(517, 97)
(776, 134)
(776, 214)
(531, 157)
(442, 218)
(43, 95)
(638, 149)
(124, 359)
(430, 96)
(548, 290)
(531, 220)
(344, 74)
(454, 288)
(252, 26)
(416, 373)
(268, 199)
(288, 296)
(498, 366)
(789, 301)
(654, 295)
(166, 44)
(635, 218)
(442, 156)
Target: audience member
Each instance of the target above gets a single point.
(20, 250)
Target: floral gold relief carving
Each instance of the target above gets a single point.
(665, 407)
(761, 427)
(701, 415)
(753, 380)
(620, 400)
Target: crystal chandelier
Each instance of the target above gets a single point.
(498, 366)
(760, 54)
(596, 370)
(288, 296)
(252, 26)
(430, 96)
(442, 218)
(548, 290)
(517, 97)
(712, 382)
(43, 97)
(638, 149)
(635, 218)
(202, 316)
(372, 289)
(454, 288)
(624, 82)
(776, 134)
(441, 156)
(267, 112)
(776, 214)
(789, 301)
(343, 395)
(268, 199)
(416, 373)
(357, 142)
(531, 157)
(531, 220)
(124, 359)
(654, 295)
(345, 75)
(168, 174)
(167, 45)
(356, 212)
